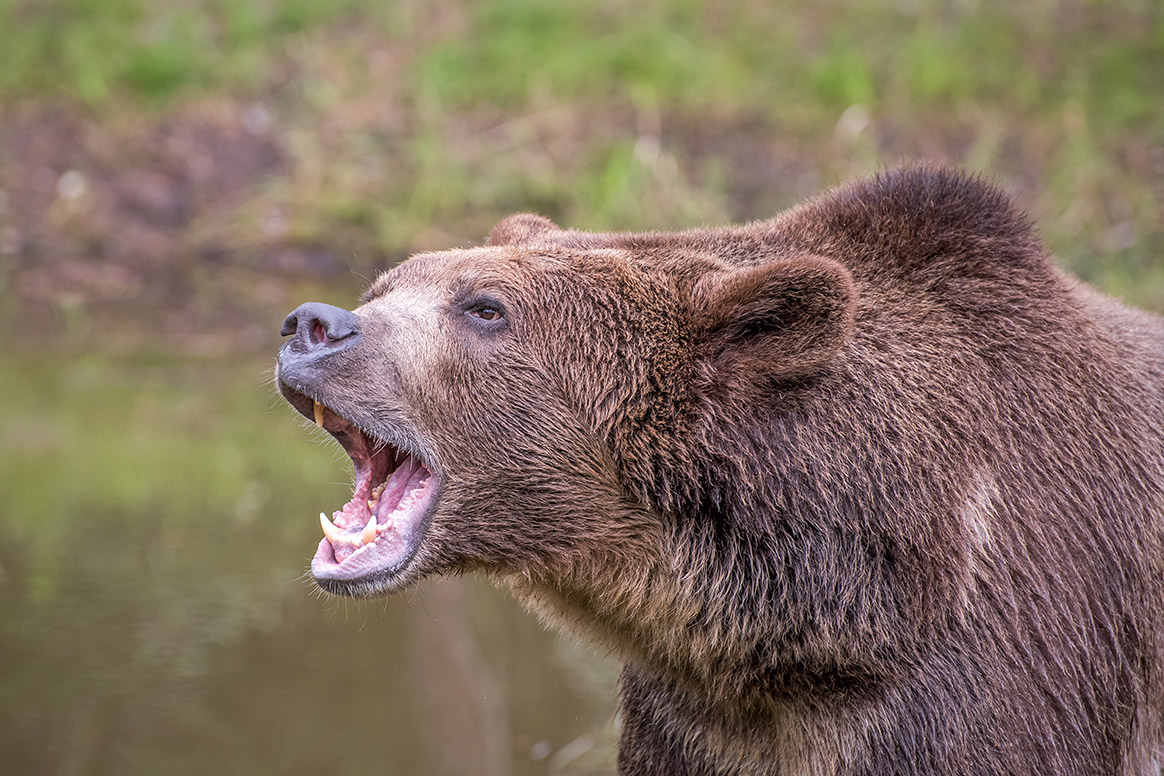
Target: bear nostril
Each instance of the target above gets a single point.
(315, 324)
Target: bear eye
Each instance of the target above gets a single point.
(486, 311)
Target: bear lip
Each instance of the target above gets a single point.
(377, 532)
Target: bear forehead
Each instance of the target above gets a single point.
(462, 270)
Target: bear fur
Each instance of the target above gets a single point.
(868, 488)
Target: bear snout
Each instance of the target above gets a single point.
(318, 331)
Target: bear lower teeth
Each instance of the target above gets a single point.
(369, 533)
(337, 536)
(330, 530)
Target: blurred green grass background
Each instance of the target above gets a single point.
(380, 128)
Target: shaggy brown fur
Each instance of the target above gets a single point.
(869, 488)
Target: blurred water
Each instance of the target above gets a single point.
(156, 521)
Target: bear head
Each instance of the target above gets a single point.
(530, 408)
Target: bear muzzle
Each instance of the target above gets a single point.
(373, 538)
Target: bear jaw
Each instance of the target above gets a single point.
(370, 542)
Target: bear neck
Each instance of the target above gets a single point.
(752, 589)
(692, 604)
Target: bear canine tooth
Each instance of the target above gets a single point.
(369, 533)
(330, 530)
(318, 408)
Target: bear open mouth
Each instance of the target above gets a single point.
(377, 532)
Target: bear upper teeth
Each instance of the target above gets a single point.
(318, 409)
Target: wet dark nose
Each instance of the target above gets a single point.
(321, 326)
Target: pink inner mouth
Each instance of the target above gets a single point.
(379, 528)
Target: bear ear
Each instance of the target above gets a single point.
(780, 320)
(521, 228)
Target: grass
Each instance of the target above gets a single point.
(98, 51)
(797, 58)
(415, 125)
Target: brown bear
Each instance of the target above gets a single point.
(868, 488)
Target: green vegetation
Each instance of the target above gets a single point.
(412, 125)
(101, 50)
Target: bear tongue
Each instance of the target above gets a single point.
(397, 484)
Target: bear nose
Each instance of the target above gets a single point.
(316, 325)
